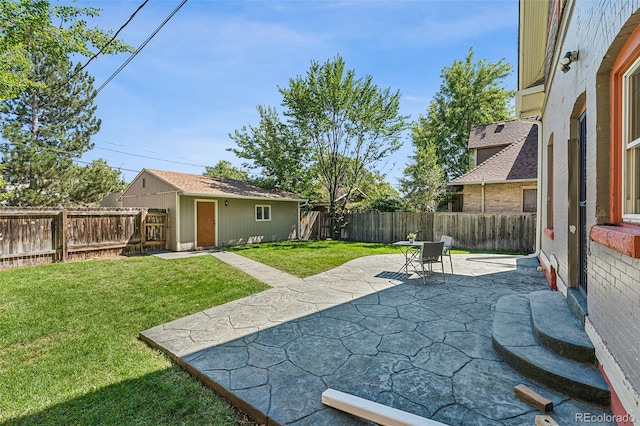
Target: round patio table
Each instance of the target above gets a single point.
(410, 250)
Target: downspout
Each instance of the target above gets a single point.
(536, 253)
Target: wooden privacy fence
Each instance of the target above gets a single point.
(386, 227)
(510, 232)
(34, 236)
(496, 231)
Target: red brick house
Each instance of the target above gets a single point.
(579, 79)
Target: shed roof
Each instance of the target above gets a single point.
(518, 161)
(191, 184)
(501, 133)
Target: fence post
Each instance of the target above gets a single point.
(63, 235)
(143, 230)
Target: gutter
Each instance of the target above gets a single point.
(486, 182)
(536, 253)
(240, 197)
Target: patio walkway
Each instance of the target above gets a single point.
(364, 329)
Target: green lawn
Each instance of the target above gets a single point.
(306, 258)
(69, 352)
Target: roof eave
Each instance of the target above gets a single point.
(493, 181)
(240, 197)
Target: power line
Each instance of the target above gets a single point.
(139, 49)
(114, 168)
(105, 46)
(112, 38)
(126, 146)
(149, 157)
(76, 160)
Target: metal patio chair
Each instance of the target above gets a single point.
(446, 251)
(431, 253)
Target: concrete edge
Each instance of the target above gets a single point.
(220, 390)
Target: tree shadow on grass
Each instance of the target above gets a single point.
(165, 397)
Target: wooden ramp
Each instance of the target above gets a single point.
(369, 410)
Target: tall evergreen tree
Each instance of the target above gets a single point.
(44, 130)
(48, 119)
(471, 93)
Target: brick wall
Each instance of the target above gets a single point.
(499, 197)
(614, 305)
(598, 31)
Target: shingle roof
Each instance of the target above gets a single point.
(498, 134)
(518, 161)
(206, 185)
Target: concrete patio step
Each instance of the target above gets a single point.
(555, 327)
(514, 340)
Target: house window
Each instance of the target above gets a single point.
(263, 213)
(529, 200)
(631, 143)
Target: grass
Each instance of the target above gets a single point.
(306, 258)
(69, 352)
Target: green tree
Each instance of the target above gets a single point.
(470, 94)
(379, 203)
(49, 123)
(273, 149)
(349, 123)
(44, 130)
(224, 169)
(423, 184)
(3, 192)
(92, 182)
(27, 28)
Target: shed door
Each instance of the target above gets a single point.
(206, 224)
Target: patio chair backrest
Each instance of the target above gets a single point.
(431, 252)
(447, 240)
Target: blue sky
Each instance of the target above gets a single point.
(203, 74)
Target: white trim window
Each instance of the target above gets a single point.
(263, 212)
(631, 144)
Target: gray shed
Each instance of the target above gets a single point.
(205, 211)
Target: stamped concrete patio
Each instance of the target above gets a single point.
(364, 329)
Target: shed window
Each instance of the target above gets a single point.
(263, 213)
(631, 143)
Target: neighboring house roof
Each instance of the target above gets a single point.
(498, 134)
(518, 161)
(191, 184)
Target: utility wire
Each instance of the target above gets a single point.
(95, 141)
(114, 168)
(79, 70)
(112, 38)
(62, 151)
(139, 49)
(148, 157)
